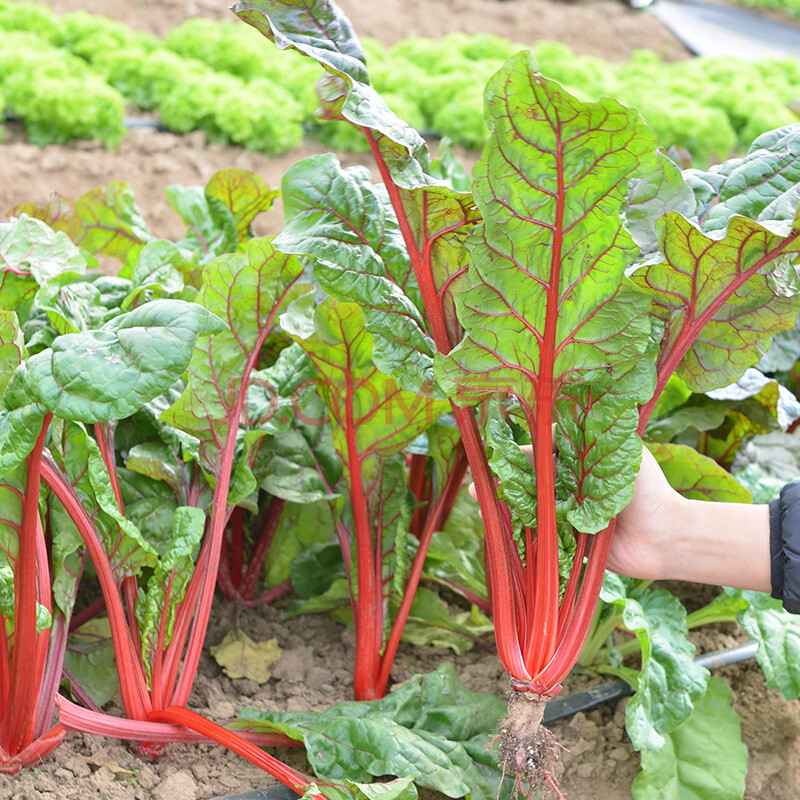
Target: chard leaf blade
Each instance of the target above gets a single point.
(723, 296)
(382, 417)
(704, 758)
(778, 635)
(347, 223)
(249, 291)
(670, 682)
(319, 30)
(431, 728)
(548, 315)
(763, 185)
(109, 373)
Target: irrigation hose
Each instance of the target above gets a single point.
(558, 708)
(562, 707)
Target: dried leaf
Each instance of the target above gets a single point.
(241, 657)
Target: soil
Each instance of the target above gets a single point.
(315, 670)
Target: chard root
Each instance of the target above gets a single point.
(527, 749)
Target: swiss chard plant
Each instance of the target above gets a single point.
(552, 305)
(90, 373)
(94, 370)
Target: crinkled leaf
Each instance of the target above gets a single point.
(778, 635)
(363, 402)
(516, 478)
(167, 585)
(398, 789)
(696, 476)
(249, 291)
(78, 304)
(242, 657)
(347, 223)
(651, 196)
(104, 221)
(210, 224)
(109, 373)
(455, 554)
(777, 454)
(90, 660)
(546, 316)
(303, 466)
(781, 403)
(30, 254)
(315, 568)
(596, 480)
(762, 185)
(318, 29)
(431, 728)
(150, 503)
(704, 758)
(245, 194)
(753, 405)
(723, 295)
(300, 529)
(77, 455)
(670, 682)
(159, 270)
(441, 216)
(12, 346)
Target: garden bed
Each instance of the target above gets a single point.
(315, 671)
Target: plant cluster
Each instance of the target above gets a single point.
(293, 418)
(215, 77)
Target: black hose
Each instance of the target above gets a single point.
(562, 707)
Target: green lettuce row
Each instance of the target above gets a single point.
(56, 94)
(220, 77)
(789, 7)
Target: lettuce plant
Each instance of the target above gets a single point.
(557, 299)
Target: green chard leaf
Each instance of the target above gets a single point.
(109, 373)
(704, 758)
(31, 253)
(362, 400)
(319, 30)
(249, 291)
(104, 221)
(78, 304)
(549, 317)
(762, 185)
(210, 224)
(442, 216)
(19, 427)
(347, 223)
(77, 455)
(670, 682)
(431, 728)
(696, 476)
(245, 194)
(778, 635)
(166, 587)
(722, 295)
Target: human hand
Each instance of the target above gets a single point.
(640, 545)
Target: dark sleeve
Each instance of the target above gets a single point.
(784, 526)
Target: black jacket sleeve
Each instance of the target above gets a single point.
(784, 525)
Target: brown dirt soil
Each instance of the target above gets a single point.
(315, 669)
